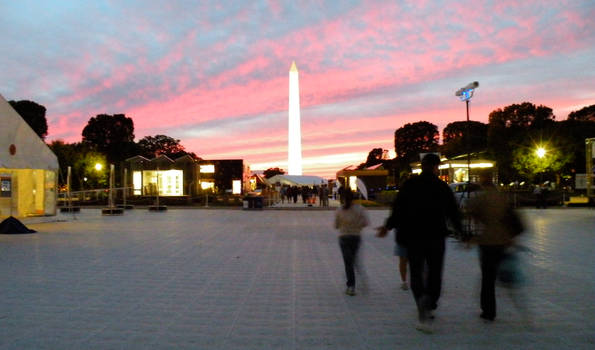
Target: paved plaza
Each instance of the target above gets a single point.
(273, 279)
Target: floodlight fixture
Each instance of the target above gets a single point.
(465, 93)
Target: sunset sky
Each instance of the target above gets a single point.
(214, 74)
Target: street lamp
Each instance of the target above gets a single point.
(98, 166)
(540, 152)
(465, 94)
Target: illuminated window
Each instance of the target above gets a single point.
(353, 183)
(168, 182)
(207, 168)
(207, 185)
(237, 186)
(137, 183)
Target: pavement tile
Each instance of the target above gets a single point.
(274, 280)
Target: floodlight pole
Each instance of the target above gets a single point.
(468, 145)
(465, 94)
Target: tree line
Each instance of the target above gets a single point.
(510, 138)
(106, 139)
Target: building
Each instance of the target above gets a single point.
(456, 168)
(28, 168)
(186, 176)
(374, 178)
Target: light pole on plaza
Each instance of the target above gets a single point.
(465, 94)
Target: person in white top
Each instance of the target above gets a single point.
(350, 219)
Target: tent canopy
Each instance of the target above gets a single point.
(20, 146)
(298, 180)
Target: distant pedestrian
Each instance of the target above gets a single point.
(419, 214)
(350, 219)
(499, 225)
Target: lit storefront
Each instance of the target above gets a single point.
(186, 176)
(456, 169)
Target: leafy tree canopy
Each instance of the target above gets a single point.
(108, 131)
(270, 172)
(522, 115)
(584, 114)
(33, 114)
(153, 146)
(454, 138)
(376, 156)
(415, 138)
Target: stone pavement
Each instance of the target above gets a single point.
(233, 279)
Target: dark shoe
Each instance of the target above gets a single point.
(487, 317)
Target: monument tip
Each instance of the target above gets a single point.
(293, 67)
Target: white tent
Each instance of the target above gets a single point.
(297, 180)
(28, 168)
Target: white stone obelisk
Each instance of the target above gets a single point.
(294, 150)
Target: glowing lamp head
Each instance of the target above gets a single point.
(540, 152)
(98, 166)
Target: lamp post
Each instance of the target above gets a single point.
(465, 94)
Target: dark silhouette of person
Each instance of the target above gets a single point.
(419, 213)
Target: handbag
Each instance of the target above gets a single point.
(510, 273)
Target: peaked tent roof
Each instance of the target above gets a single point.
(298, 180)
(20, 146)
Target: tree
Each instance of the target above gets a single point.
(376, 156)
(415, 138)
(33, 114)
(82, 159)
(529, 164)
(270, 172)
(108, 132)
(522, 116)
(454, 138)
(584, 114)
(508, 129)
(153, 146)
(113, 136)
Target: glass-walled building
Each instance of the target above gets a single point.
(185, 176)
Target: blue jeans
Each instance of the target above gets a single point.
(349, 247)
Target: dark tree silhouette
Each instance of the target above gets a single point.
(584, 114)
(454, 141)
(375, 156)
(270, 172)
(415, 138)
(108, 132)
(33, 114)
(153, 146)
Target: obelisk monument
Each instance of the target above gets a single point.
(294, 150)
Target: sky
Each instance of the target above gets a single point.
(215, 74)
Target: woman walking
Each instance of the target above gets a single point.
(350, 219)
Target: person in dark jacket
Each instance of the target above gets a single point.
(419, 214)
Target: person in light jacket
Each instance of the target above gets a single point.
(350, 219)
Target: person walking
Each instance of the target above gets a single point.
(350, 219)
(499, 224)
(419, 214)
(401, 252)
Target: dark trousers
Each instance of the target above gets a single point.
(490, 258)
(349, 247)
(426, 260)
